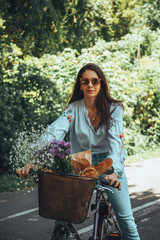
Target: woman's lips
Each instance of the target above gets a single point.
(90, 91)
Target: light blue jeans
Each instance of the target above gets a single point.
(121, 204)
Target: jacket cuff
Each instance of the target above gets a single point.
(119, 174)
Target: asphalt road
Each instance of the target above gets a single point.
(19, 218)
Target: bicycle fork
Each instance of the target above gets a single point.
(96, 216)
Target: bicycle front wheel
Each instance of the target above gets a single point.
(60, 233)
(60, 236)
(107, 229)
(102, 227)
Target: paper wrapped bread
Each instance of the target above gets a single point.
(81, 163)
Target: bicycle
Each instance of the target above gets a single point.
(105, 224)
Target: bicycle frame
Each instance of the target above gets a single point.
(95, 212)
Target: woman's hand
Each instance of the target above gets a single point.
(113, 180)
(25, 170)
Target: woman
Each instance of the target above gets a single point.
(95, 121)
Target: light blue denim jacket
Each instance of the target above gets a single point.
(83, 136)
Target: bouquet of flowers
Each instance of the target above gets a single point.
(54, 156)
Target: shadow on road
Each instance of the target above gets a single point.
(141, 198)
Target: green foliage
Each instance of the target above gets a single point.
(11, 182)
(62, 68)
(146, 13)
(29, 22)
(27, 97)
(40, 26)
(146, 112)
(55, 24)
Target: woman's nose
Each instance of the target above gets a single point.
(90, 84)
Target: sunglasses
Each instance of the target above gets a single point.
(86, 81)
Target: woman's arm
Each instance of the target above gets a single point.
(115, 141)
(59, 128)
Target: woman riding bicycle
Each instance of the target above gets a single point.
(95, 121)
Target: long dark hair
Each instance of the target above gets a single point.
(104, 99)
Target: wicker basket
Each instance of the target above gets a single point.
(64, 197)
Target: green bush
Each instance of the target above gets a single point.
(10, 182)
(147, 110)
(27, 97)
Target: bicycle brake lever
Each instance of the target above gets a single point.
(106, 188)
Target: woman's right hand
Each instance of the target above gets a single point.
(113, 180)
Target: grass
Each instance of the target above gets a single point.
(10, 182)
(142, 156)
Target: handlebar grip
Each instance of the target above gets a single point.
(107, 182)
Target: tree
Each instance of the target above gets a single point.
(39, 26)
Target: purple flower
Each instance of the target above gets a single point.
(62, 143)
(53, 151)
(60, 155)
(55, 141)
(68, 151)
(68, 144)
(59, 149)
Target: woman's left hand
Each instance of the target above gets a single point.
(113, 180)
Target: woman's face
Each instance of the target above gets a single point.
(90, 84)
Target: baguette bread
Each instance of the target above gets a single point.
(104, 166)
